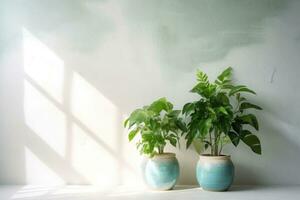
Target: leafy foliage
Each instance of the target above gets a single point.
(220, 117)
(157, 124)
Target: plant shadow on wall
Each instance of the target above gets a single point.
(73, 134)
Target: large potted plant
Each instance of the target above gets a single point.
(157, 125)
(219, 117)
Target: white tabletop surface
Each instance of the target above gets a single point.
(180, 192)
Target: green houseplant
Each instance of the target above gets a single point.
(157, 124)
(219, 117)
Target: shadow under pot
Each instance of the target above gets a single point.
(215, 173)
(162, 171)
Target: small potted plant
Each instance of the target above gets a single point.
(219, 117)
(157, 125)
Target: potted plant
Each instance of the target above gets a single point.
(219, 117)
(157, 125)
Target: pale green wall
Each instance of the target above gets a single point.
(135, 51)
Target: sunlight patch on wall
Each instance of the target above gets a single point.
(93, 160)
(94, 110)
(131, 176)
(43, 66)
(44, 118)
(39, 173)
(93, 137)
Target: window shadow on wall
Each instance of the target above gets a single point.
(73, 130)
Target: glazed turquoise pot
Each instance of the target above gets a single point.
(215, 173)
(162, 171)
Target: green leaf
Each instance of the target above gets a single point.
(132, 134)
(137, 116)
(252, 141)
(227, 86)
(181, 125)
(239, 98)
(126, 122)
(204, 126)
(173, 141)
(189, 142)
(203, 88)
(147, 135)
(224, 76)
(222, 110)
(249, 119)
(160, 139)
(240, 88)
(234, 137)
(222, 99)
(211, 111)
(190, 137)
(201, 77)
(246, 105)
(161, 104)
(153, 124)
(188, 108)
(237, 125)
(174, 113)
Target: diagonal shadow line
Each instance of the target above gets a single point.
(80, 124)
(100, 142)
(46, 154)
(42, 91)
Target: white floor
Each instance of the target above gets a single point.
(180, 192)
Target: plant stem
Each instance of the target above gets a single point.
(221, 144)
(161, 150)
(215, 143)
(211, 145)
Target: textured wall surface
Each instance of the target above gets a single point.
(71, 70)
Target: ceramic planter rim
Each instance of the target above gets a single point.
(166, 155)
(210, 157)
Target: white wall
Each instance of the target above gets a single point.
(70, 71)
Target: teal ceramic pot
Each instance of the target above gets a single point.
(162, 171)
(215, 173)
